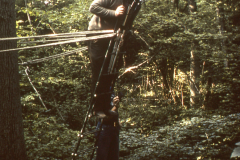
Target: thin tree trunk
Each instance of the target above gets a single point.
(12, 145)
(182, 98)
(221, 22)
(163, 69)
(192, 6)
(194, 77)
(194, 66)
(208, 94)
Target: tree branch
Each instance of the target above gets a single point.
(130, 69)
(39, 96)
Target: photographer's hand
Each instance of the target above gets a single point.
(115, 103)
(119, 11)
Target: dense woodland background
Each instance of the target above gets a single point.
(181, 96)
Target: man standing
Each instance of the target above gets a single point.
(106, 16)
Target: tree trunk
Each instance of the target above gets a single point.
(194, 64)
(194, 77)
(221, 22)
(192, 6)
(12, 145)
(164, 71)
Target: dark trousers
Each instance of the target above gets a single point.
(108, 143)
(97, 51)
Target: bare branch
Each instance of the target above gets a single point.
(39, 96)
(130, 69)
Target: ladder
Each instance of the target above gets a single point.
(114, 50)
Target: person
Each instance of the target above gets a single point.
(108, 138)
(107, 15)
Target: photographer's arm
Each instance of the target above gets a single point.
(99, 8)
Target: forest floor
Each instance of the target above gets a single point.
(206, 136)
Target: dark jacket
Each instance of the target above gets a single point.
(104, 14)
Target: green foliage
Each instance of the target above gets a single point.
(156, 118)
